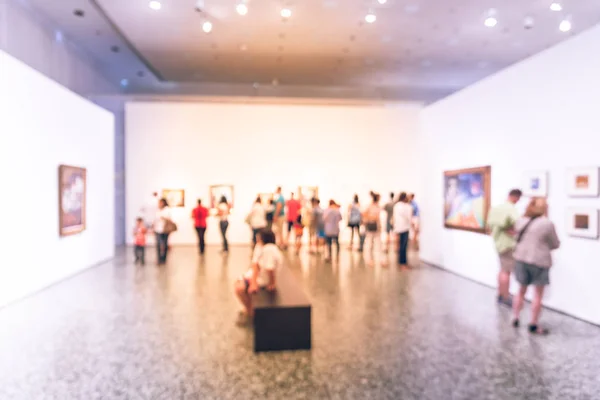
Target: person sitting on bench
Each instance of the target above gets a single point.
(266, 260)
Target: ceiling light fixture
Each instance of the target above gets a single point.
(241, 9)
(382, 1)
(555, 7)
(286, 13)
(490, 20)
(370, 17)
(155, 5)
(207, 26)
(124, 82)
(565, 25)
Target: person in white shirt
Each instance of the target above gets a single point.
(257, 219)
(403, 213)
(266, 261)
(223, 210)
(162, 236)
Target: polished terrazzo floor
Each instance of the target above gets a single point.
(120, 331)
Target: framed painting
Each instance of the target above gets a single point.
(582, 182)
(217, 192)
(265, 198)
(306, 193)
(582, 222)
(175, 197)
(71, 199)
(535, 184)
(467, 195)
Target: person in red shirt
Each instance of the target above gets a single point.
(139, 240)
(293, 211)
(199, 214)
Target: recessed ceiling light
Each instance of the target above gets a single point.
(370, 18)
(565, 25)
(255, 85)
(207, 26)
(58, 36)
(286, 13)
(490, 22)
(243, 47)
(124, 82)
(155, 5)
(241, 9)
(275, 82)
(382, 1)
(555, 7)
(79, 13)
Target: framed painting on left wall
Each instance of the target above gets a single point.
(71, 199)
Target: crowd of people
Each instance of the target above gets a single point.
(524, 245)
(291, 219)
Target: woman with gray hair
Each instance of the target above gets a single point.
(536, 238)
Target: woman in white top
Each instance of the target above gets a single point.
(403, 213)
(257, 219)
(266, 261)
(163, 216)
(372, 221)
(223, 211)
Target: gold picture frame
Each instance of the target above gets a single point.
(467, 194)
(72, 191)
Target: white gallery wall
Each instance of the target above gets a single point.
(541, 114)
(43, 125)
(256, 147)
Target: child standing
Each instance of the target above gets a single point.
(139, 235)
(298, 231)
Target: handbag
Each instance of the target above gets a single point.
(371, 226)
(170, 227)
(522, 232)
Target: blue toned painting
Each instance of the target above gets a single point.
(465, 205)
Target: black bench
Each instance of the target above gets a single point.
(282, 319)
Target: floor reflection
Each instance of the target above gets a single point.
(121, 331)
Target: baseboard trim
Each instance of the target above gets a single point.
(429, 264)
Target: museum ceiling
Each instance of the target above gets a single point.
(401, 49)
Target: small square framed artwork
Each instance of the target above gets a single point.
(582, 222)
(535, 184)
(583, 182)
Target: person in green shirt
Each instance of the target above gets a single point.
(501, 220)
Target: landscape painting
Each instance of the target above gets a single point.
(582, 222)
(218, 191)
(306, 193)
(174, 197)
(467, 198)
(72, 205)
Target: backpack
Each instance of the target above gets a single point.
(354, 216)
